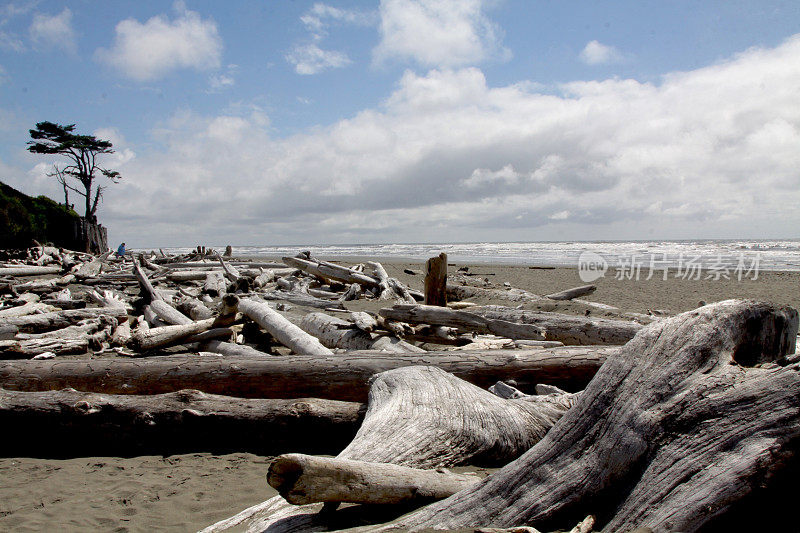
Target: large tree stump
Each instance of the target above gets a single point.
(676, 430)
(436, 280)
(421, 417)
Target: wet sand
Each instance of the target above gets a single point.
(188, 492)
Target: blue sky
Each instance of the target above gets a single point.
(416, 120)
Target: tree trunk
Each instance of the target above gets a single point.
(61, 319)
(29, 270)
(337, 333)
(169, 314)
(569, 329)
(284, 331)
(462, 292)
(303, 479)
(436, 280)
(677, 430)
(69, 423)
(214, 284)
(25, 349)
(576, 292)
(331, 271)
(333, 377)
(422, 417)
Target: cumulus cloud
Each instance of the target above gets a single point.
(438, 33)
(54, 31)
(311, 59)
(597, 53)
(712, 152)
(307, 56)
(150, 50)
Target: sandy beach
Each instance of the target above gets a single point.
(190, 491)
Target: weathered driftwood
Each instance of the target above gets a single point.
(29, 270)
(463, 292)
(215, 284)
(230, 349)
(82, 329)
(334, 377)
(364, 321)
(8, 332)
(421, 417)
(436, 280)
(144, 282)
(167, 335)
(677, 432)
(61, 319)
(300, 298)
(575, 292)
(25, 349)
(169, 314)
(568, 329)
(70, 423)
(195, 309)
(353, 292)
(302, 479)
(230, 271)
(463, 320)
(28, 308)
(284, 331)
(391, 289)
(337, 333)
(331, 271)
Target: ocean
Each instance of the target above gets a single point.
(700, 254)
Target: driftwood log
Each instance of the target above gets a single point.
(284, 331)
(421, 417)
(681, 430)
(576, 292)
(327, 270)
(61, 319)
(336, 333)
(301, 479)
(333, 377)
(436, 280)
(68, 423)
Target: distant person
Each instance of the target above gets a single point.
(121, 250)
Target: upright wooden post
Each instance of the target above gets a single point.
(436, 280)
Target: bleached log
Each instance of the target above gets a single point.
(89, 269)
(152, 318)
(229, 349)
(389, 290)
(68, 423)
(144, 282)
(21, 271)
(364, 321)
(169, 314)
(230, 271)
(679, 431)
(166, 335)
(284, 331)
(29, 308)
(462, 292)
(19, 349)
(337, 333)
(463, 320)
(215, 284)
(180, 276)
(263, 279)
(8, 332)
(353, 292)
(61, 319)
(333, 377)
(568, 329)
(420, 417)
(108, 299)
(331, 271)
(302, 479)
(575, 292)
(300, 298)
(81, 330)
(195, 309)
(122, 334)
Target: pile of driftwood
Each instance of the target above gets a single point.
(605, 423)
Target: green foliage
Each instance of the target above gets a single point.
(23, 219)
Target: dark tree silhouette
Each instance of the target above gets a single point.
(82, 151)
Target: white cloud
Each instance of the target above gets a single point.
(712, 152)
(311, 59)
(307, 56)
(597, 53)
(122, 153)
(150, 50)
(438, 33)
(54, 31)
